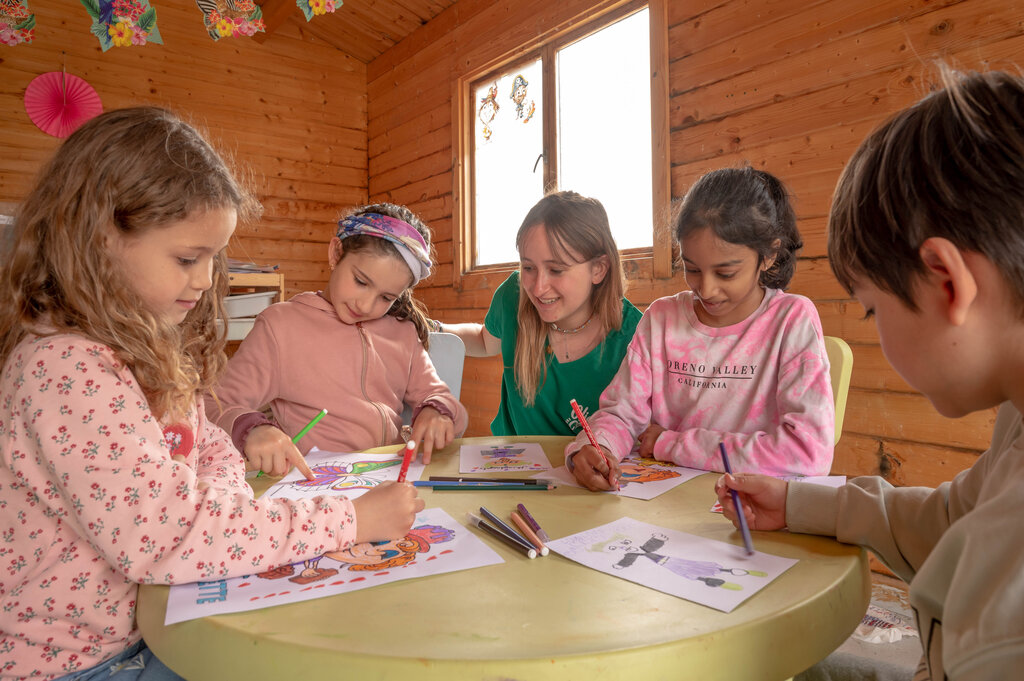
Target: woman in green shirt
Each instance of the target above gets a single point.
(561, 322)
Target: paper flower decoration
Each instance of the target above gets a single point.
(315, 8)
(58, 103)
(17, 24)
(122, 23)
(229, 18)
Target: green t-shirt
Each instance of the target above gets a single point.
(583, 380)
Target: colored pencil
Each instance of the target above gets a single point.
(489, 486)
(504, 481)
(532, 522)
(410, 453)
(530, 534)
(308, 427)
(495, 532)
(505, 527)
(744, 529)
(593, 440)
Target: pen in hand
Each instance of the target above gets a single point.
(593, 440)
(302, 433)
(744, 528)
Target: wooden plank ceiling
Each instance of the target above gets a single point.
(364, 29)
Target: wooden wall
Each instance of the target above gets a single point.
(791, 86)
(291, 111)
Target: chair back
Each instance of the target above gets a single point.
(448, 354)
(840, 359)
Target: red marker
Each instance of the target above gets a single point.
(593, 440)
(410, 454)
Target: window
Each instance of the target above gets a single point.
(574, 113)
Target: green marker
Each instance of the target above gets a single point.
(301, 433)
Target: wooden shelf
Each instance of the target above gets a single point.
(252, 282)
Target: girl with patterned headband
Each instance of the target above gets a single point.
(357, 349)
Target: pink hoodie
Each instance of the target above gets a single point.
(300, 358)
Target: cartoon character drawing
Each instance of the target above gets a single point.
(644, 470)
(345, 476)
(488, 109)
(499, 452)
(698, 570)
(370, 556)
(518, 94)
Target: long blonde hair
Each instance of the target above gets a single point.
(578, 231)
(123, 173)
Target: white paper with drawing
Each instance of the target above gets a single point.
(349, 475)
(705, 571)
(639, 478)
(436, 544)
(521, 457)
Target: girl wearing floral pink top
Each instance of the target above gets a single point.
(734, 360)
(110, 474)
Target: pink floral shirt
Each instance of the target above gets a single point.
(760, 386)
(92, 505)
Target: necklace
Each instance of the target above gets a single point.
(569, 332)
(579, 328)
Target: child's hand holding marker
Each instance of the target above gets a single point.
(275, 450)
(270, 451)
(762, 496)
(386, 512)
(596, 469)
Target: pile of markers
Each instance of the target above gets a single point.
(530, 542)
(439, 483)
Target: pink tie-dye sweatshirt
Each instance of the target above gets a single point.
(761, 387)
(92, 505)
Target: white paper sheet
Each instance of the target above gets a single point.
(436, 544)
(640, 479)
(349, 475)
(522, 457)
(705, 571)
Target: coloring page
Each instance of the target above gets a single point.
(640, 479)
(524, 457)
(705, 571)
(436, 544)
(349, 475)
(827, 480)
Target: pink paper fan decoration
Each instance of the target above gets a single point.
(58, 102)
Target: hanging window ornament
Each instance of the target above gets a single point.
(230, 18)
(123, 23)
(17, 24)
(488, 109)
(519, 85)
(316, 8)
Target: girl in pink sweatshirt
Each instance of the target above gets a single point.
(733, 360)
(357, 349)
(110, 474)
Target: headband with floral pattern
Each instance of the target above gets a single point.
(410, 243)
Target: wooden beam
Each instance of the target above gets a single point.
(275, 12)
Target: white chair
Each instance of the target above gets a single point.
(448, 353)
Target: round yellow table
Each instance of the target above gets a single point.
(548, 618)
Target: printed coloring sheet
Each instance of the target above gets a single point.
(436, 544)
(349, 475)
(705, 571)
(640, 479)
(522, 457)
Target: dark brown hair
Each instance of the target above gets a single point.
(405, 307)
(749, 208)
(950, 166)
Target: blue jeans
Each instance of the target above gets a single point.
(137, 663)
